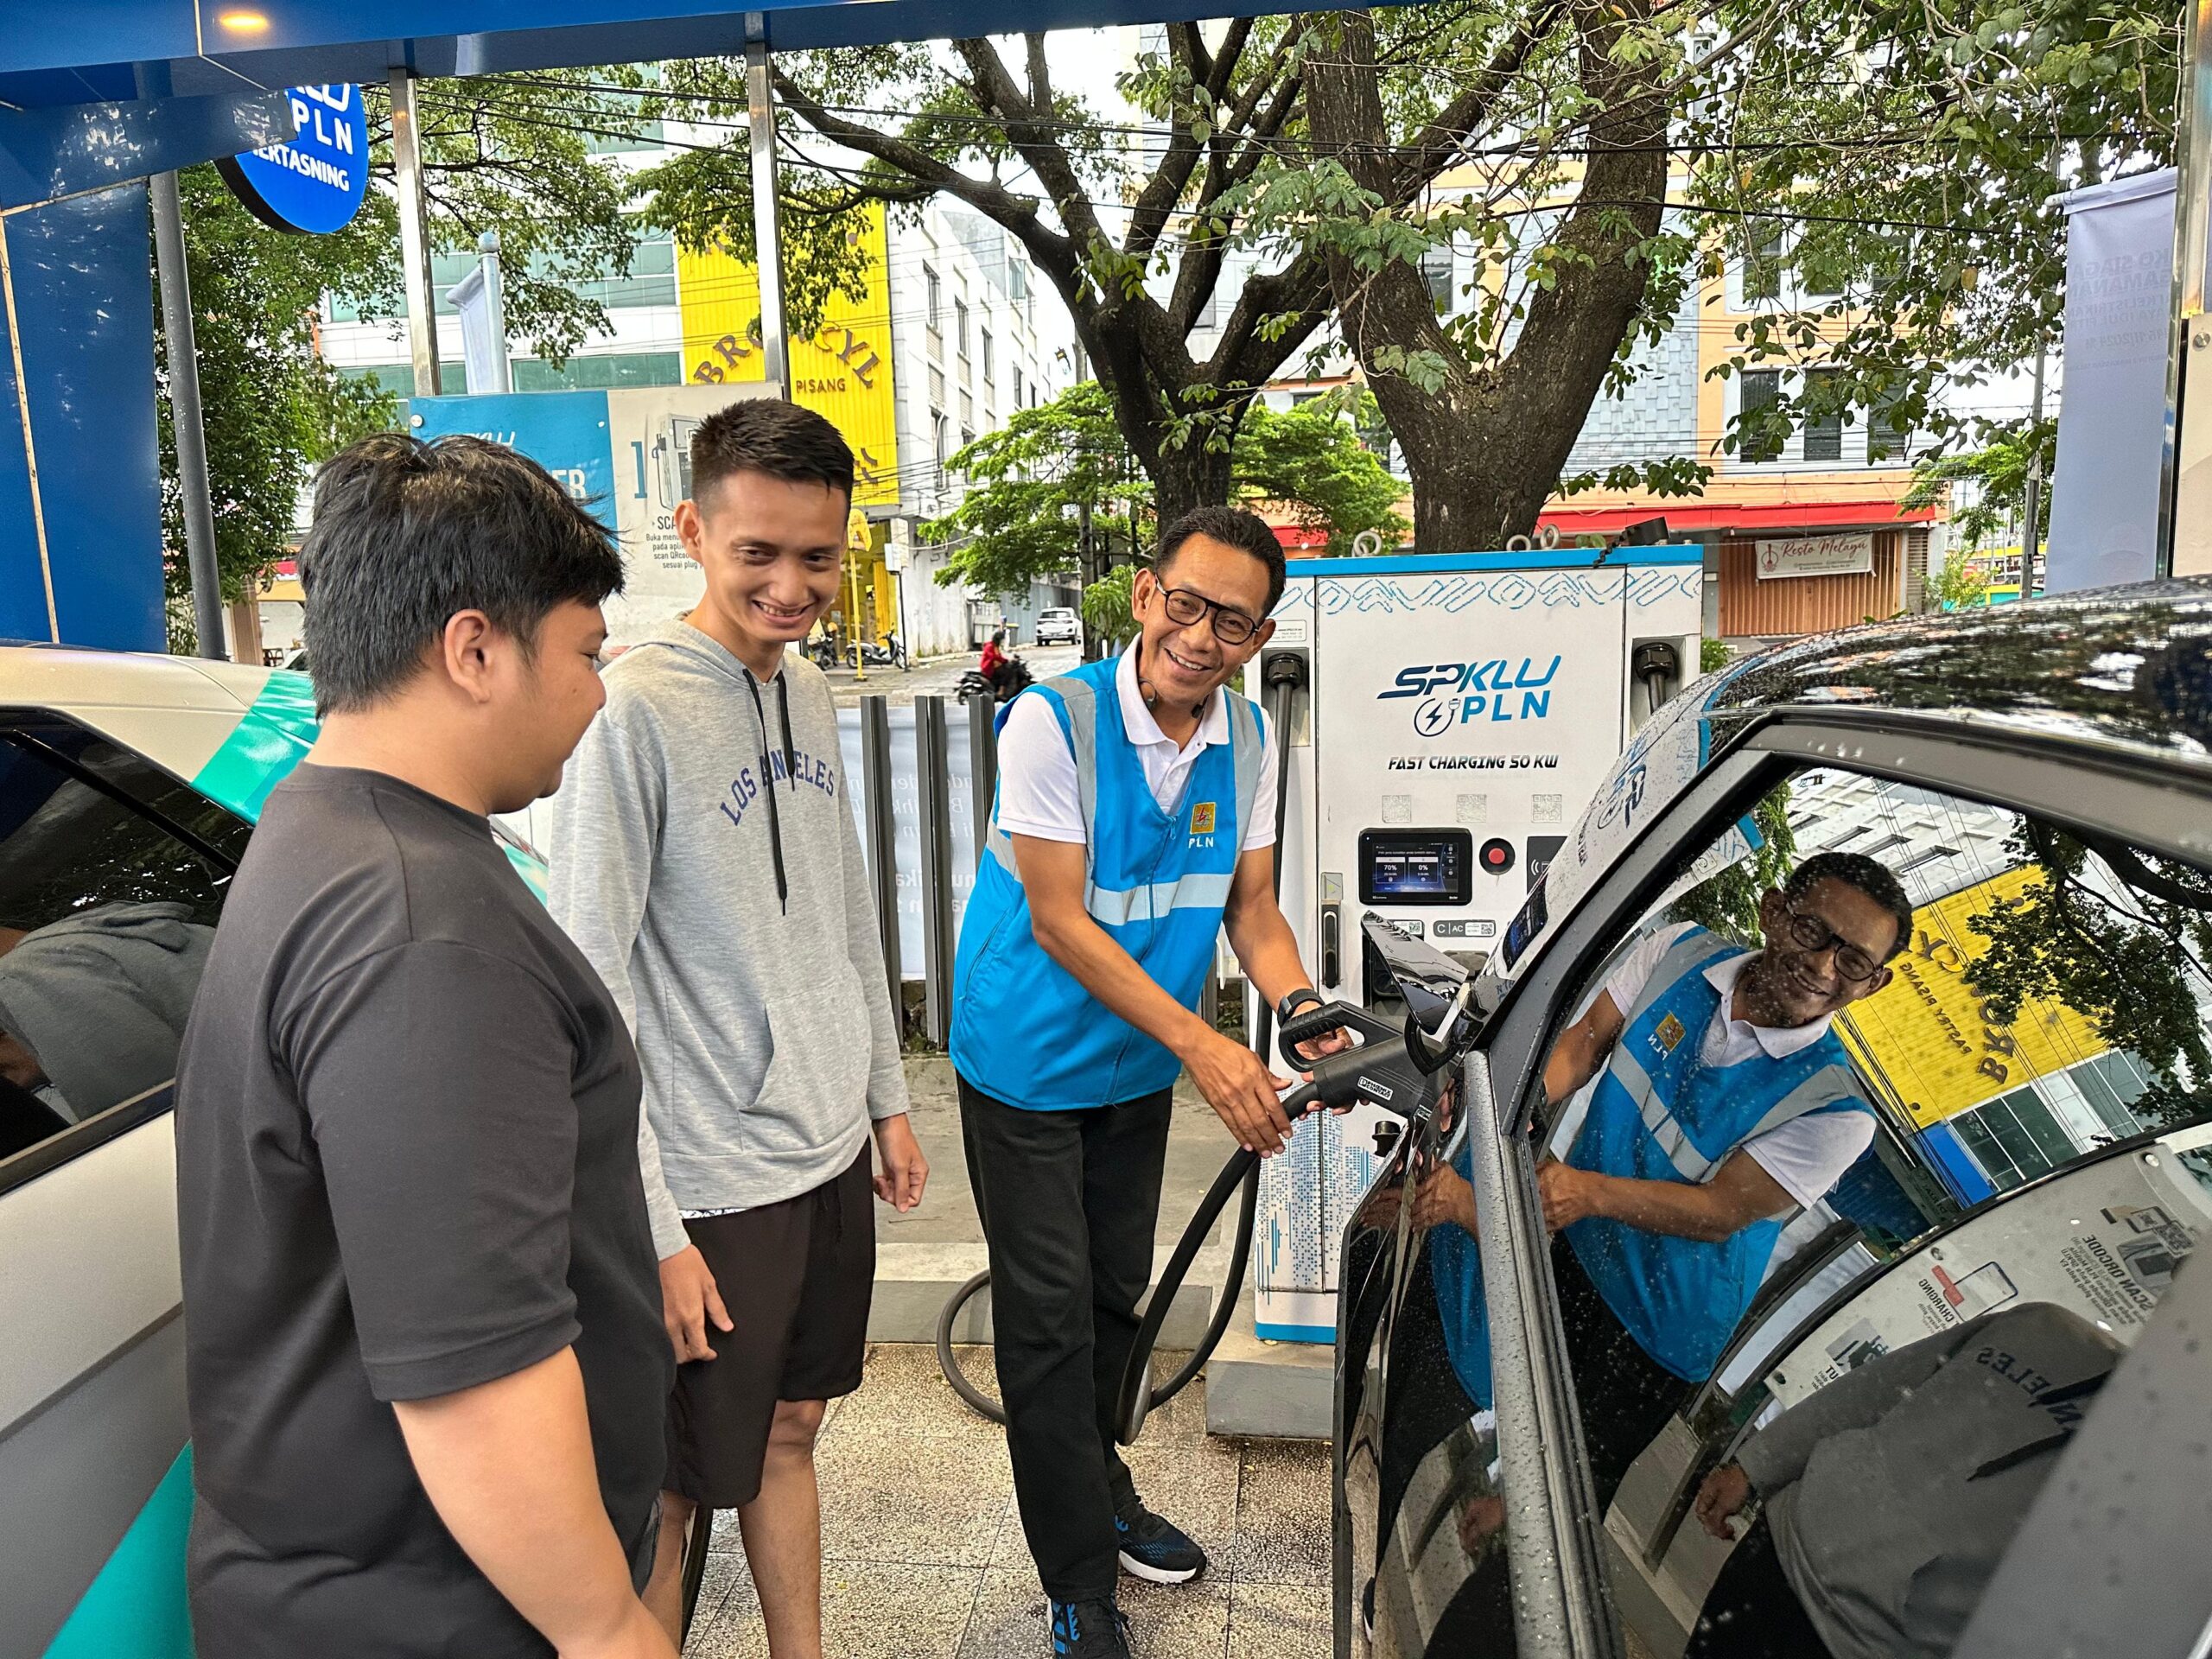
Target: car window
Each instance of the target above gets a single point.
(1865, 1154)
(106, 919)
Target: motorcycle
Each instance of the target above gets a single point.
(1007, 682)
(891, 653)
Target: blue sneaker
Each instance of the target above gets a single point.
(1090, 1629)
(1154, 1550)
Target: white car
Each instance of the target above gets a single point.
(128, 787)
(1059, 625)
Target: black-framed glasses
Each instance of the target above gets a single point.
(1185, 608)
(1811, 933)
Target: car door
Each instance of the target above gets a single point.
(112, 875)
(2030, 1081)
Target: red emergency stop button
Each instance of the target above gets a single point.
(1496, 856)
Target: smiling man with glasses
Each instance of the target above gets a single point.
(1725, 1104)
(1135, 822)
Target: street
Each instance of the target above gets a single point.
(939, 676)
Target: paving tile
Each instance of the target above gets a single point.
(903, 1392)
(1183, 1622)
(870, 1609)
(888, 1500)
(1278, 1621)
(1282, 1513)
(726, 1572)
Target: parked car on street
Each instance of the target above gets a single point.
(1059, 625)
(1931, 1404)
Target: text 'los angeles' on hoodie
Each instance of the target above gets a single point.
(705, 857)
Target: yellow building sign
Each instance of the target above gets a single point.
(844, 372)
(1926, 1031)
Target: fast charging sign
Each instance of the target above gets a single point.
(314, 183)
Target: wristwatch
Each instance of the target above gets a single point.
(1288, 1008)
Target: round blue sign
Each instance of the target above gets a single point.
(314, 182)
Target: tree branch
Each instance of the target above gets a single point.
(1442, 141)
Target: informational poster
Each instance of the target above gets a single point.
(564, 432)
(1848, 554)
(649, 431)
(1935, 1041)
(2101, 1240)
(843, 370)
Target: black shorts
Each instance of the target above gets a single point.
(796, 1277)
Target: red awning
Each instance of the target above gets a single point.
(1693, 515)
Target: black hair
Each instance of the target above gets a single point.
(1234, 527)
(1856, 870)
(772, 437)
(407, 533)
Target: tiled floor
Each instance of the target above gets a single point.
(925, 1555)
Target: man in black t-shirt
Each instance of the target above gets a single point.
(425, 1359)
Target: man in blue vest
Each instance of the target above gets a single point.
(1725, 1104)
(1134, 821)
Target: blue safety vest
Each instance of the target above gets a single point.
(1660, 1114)
(1024, 1030)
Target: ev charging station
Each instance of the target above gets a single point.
(1447, 717)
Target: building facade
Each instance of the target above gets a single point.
(943, 347)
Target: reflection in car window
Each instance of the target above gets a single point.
(1866, 1155)
(106, 919)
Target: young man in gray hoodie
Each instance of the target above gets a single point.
(706, 858)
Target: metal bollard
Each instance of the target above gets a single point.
(932, 779)
(983, 765)
(882, 837)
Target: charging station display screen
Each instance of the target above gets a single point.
(1415, 867)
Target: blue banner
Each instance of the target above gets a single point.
(564, 432)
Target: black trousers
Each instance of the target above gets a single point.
(1068, 1201)
(1626, 1395)
(1751, 1612)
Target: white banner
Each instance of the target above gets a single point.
(1850, 553)
(483, 351)
(2104, 502)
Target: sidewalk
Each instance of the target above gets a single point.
(924, 1553)
(939, 676)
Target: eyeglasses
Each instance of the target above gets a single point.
(1811, 933)
(1185, 608)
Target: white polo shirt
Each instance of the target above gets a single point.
(1037, 785)
(1808, 1155)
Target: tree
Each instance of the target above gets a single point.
(1487, 405)
(1898, 211)
(1038, 478)
(2000, 471)
(2125, 940)
(1213, 230)
(270, 407)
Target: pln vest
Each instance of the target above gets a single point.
(1024, 1030)
(1660, 1114)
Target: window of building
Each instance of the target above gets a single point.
(990, 362)
(960, 326)
(651, 136)
(1436, 271)
(1823, 427)
(1889, 429)
(1762, 253)
(940, 443)
(933, 291)
(600, 373)
(967, 408)
(1762, 389)
(1017, 385)
(937, 386)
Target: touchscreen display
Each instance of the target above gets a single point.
(1425, 867)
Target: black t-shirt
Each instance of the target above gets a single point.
(407, 1163)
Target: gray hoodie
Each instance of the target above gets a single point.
(705, 857)
(1893, 1492)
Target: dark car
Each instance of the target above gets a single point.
(1912, 1368)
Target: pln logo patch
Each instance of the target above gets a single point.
(1669, 1034)
(1201, 818)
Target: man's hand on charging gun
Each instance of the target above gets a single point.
(1239, 1086)
(688, 1300)
(905, 1172)
(1722, 1498)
